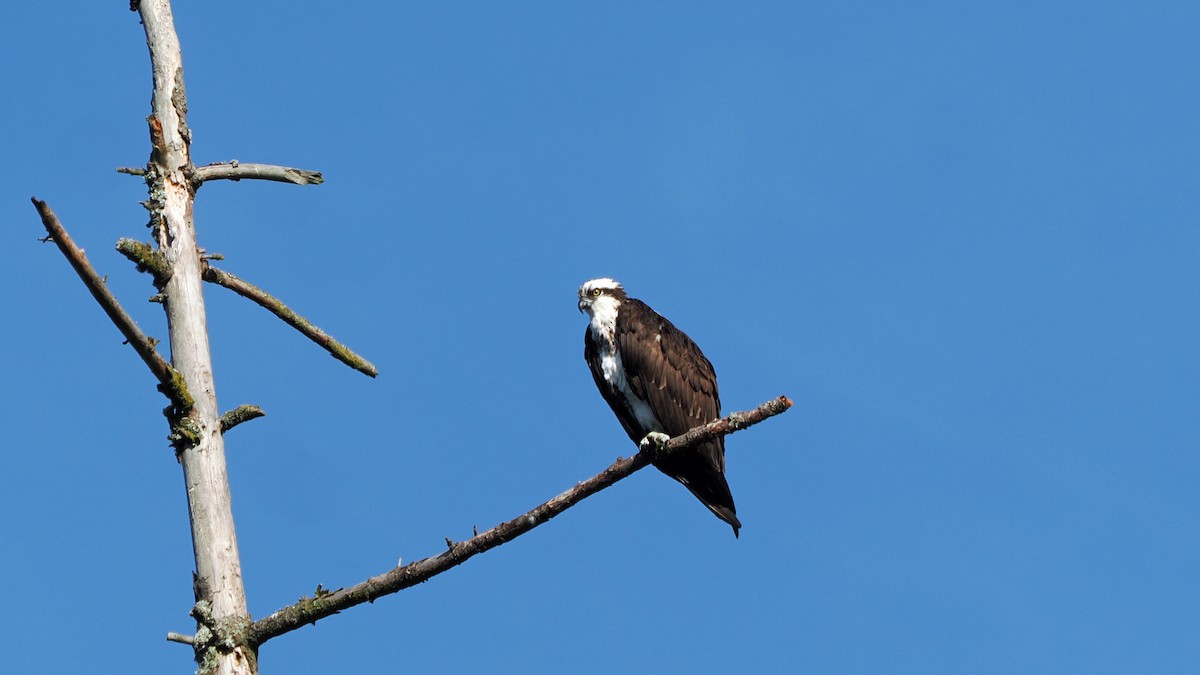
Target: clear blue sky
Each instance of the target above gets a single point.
(962, 237)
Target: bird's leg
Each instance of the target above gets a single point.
(653, 443)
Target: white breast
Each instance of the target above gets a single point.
(604, 328)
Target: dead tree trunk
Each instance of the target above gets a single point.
(220, 597)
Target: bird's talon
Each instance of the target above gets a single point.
(654, 442)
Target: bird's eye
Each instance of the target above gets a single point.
(596, 292)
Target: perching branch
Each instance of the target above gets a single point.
(272, 304)
(235, 170)
(169, 381)
(326, 603)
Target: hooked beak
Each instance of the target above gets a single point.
(582, 305)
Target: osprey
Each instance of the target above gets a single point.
(659, 384)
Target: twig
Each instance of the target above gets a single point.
(236, 171)
(242, 413)
(310, 610)
(170, 383)
(132, 170)
(181, 638)
(272, 304)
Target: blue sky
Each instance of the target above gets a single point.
(962, 238)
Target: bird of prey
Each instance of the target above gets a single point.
(659, 384)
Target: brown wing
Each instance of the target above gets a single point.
(666, 369)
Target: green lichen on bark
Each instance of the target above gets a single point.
(347, 356)
(147, 258)
(177, 391)
(242, 413)
(185, 433)
(216, 638)
(157, 196)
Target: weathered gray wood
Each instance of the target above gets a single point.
(221, 600)
(236, 170)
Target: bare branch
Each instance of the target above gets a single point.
(132, 170)
(272, 304)
(181, 638)
(236, 170)
(170, 383)
(242, 413)
(310, 610)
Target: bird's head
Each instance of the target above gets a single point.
(600, 295)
